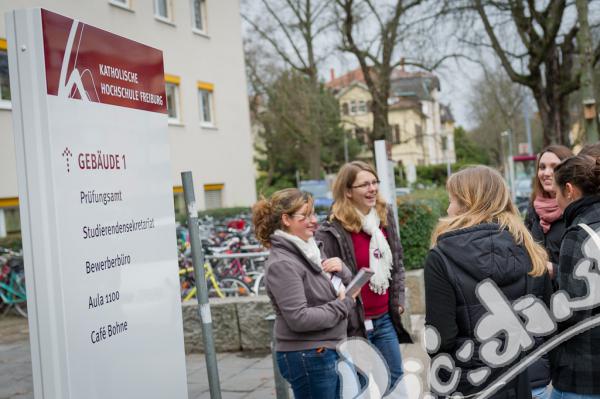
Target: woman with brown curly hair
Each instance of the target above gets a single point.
(306, 291)
(361, 231)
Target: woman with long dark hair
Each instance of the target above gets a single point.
(545, 222)
(576, 362)
(544, 217)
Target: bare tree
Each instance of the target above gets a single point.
(376, 64)
(496, 105)
(377, 49)
(294, 31)
(535, 44)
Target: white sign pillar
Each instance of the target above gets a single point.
(2, 224)
(95, 190)
(385, 170)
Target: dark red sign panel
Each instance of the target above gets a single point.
(90, 64)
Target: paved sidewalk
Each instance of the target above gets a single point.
(242, 375)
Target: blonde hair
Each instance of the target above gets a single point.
(267, 213)
(483, 197)
(343, 210)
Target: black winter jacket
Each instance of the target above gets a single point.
(576, 362)
(539, 372)
(337, 242)
(460, 261)
(551, 240)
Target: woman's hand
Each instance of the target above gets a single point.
(550, 268)
(332, 265)
(401, 309)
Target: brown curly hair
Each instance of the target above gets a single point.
(267, 213)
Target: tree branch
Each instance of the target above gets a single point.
(519, 78)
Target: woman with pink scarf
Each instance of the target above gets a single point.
(544, 217)
(544, 220)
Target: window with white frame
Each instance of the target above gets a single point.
(162, 10)
(199, 15)
(353, 107)
(120, 3)
(172, 90)
(206, 102)
(4, 78)
(362, 107)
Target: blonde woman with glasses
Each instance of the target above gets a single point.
(307, 293)
(482, 238)
(361, 231)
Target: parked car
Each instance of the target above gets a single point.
(523, 191)
(400, 191)
(320, 192)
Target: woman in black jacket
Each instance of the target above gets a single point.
(482, 241)
(544, 221)
(576, 362)
(544, 217)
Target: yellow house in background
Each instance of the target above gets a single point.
(422, 128)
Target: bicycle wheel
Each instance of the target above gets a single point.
(20, 296)
(233, 287)
(259, 286)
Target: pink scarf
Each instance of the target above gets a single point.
(548, 211)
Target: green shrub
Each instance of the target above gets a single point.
(418, 214)
(277, 184)
(12, 241)
(437, 174)
(218, 213)
(223, 213)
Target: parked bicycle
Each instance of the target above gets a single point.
(226, 287)
(13, 295)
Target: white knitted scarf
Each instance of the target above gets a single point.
(309, 248)
(380, 254)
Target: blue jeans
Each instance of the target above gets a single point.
(311, 373)
(385, 339)
(556, 394)
(541, 392)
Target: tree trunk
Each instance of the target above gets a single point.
(314, 159)
(380, 110)
(586, 51)
(552, 101)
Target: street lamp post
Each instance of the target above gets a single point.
(510, 163)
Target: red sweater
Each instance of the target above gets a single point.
(373, 303)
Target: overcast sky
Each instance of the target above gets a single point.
(458, 79)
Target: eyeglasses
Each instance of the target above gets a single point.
(302, 217)
(374, 183)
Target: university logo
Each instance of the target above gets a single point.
(72, 82)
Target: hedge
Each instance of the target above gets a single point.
(418, 215)
(12, 241)
(224, 213)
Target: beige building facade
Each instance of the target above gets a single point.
(421, 128)
(209, 122)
